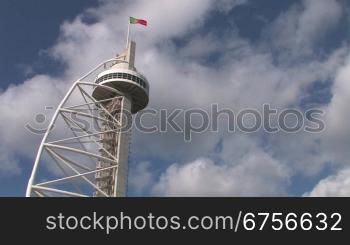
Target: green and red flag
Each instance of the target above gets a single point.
(133, 20)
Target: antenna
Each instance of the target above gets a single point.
(128, 33)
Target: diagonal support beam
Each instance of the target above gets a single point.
(77, 172)
(68, 193)
(75, 176)
(101, 147)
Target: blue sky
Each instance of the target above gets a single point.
(238, 54)
(27, 29)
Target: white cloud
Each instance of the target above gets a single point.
(312, 23)
(19, 105)
(227, 5)
(337, 185)
(256, 177)
(245, 170)
(337, 134)
(302, 26)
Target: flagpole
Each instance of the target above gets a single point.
(127, 38)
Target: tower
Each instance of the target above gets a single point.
(123, 77)
(85, 150)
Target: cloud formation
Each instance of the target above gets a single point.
(206, 68)
(337, 185)
(253, 173)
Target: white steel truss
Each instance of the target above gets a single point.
(75, 157)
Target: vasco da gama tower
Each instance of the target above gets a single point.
(85, 150)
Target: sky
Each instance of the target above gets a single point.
(237, 54)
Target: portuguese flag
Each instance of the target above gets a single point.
(133, 20)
